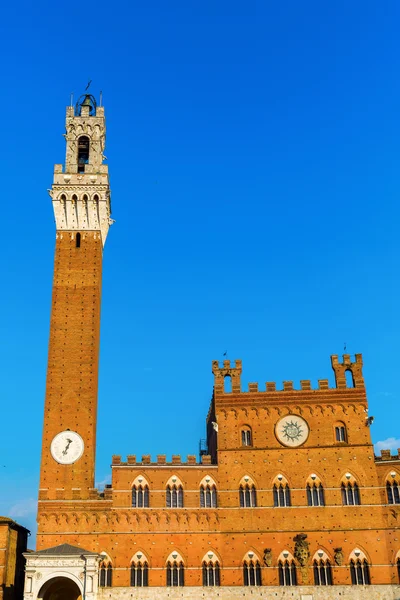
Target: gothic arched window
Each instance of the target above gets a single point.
(251, 572)
(350, 493)
(140, 496)
(211, 572)
(287, 572)
(105, 573)
(315, 494)
(139, 571)
(175, 574)
(281, 494)
(208, 496)
(359, 571)
(392, 490)
(83, 153)
(174, 496)
(247, 496)
(322, 572)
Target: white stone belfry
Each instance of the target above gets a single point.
(81, 191)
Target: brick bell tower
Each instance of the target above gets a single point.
(81, 200)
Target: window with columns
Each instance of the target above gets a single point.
(139, 571)
(208, 493)
(350, 491)
(315, 491)
(281, 492)
(251, 570)
(359, 568)
(174, 493)
(322, 569)
(247, 494)
(287, 569)
(211, 570)
(175, 570)
(105, 572)
(392, 488)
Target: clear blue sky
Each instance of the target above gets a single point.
(254, 157)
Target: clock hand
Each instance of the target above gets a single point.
(65, 451)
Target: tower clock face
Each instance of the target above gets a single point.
(67, 447)
(292, 431)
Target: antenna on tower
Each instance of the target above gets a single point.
(345, 346)
(72, 98)
(88, 85)
(101, 99)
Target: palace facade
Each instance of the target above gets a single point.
(287, 499)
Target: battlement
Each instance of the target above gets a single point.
(161, 461)
(387, 455)
(352, 365)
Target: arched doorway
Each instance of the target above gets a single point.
(60, 588)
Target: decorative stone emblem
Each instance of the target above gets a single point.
(338, 556)
(38, 575)
(268, 557)
(301, 549)
(292, 431)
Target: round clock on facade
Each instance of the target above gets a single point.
(67, 447)
(292, 431)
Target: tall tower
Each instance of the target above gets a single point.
(81, 202)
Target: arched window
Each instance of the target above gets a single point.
(83, 153)
(105, 573)
(350, 493)
(322, 572)
(392, 490)
(349, 378)
(175, 571)
(359, 571)
(247, 438)
(78, 240)
(287, 572)
(139, 571)
(340, 432)
(315, 493)
(211, 570)
(227, 384)
(140, 496)
(174, 496)
(251, 570)
(247, 495)
(281, 494)
(208, 496)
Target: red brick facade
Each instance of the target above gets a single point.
(266, 478)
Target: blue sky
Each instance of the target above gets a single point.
(254, 158)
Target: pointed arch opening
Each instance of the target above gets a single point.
(211, 570)
(281, 492)
(315, 491)
(287, 569)
(83, 152)
(393, 488)
(322, 568)
(139, 570)
(350, 491)
(105, 571)
(247, 493)
(359, 568)
(174, 493)
(140, 493)
(208, 493)
(175, 570)
(251, 570)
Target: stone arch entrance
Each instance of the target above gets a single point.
(60, 588)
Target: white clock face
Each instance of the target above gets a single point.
(67, 447)
(292, 431)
